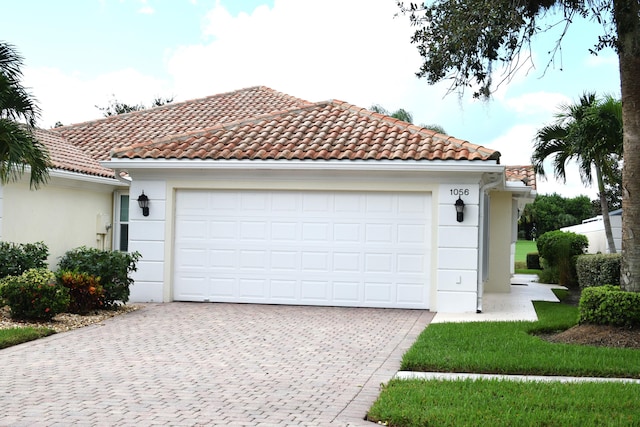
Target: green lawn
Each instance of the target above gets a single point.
(524, 247)
(511, 348)
(408, 403)
(15, 336)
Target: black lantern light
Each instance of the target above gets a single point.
(459, 209)
(143, 202)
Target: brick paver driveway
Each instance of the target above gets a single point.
(209, 364)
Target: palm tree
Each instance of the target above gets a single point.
(400, 114)
(405, 116)
(590, 133)
(18, 114)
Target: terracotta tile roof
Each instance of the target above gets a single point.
(332, 130)
(526, 174)
(66, 156)
(99, 137)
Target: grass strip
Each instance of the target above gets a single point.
(15, 336)
(406, 403)
(513, 348)
(524, 247)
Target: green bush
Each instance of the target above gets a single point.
(609, 305)
(34, 295)
(598, 270)
(16, 258)
(559, 249)
(85, 291)
(533, 261)
(112, 267)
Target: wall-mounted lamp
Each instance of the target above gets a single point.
(143, 202)
(459, 209)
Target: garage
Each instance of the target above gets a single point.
(330, 248)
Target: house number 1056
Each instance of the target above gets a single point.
(459, 191)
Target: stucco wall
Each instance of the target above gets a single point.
(500, 237)
(594, 230)
(63, 214)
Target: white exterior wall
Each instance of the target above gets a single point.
(454, 246)
(457, 267)
(594, 230)
(147, 236)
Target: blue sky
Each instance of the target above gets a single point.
(80, 53)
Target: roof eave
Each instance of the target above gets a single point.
(365, 165)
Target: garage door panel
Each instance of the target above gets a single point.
(346, 262)
(347, 292)
(222, 288)
(316, 248)
(344, 232)
(286, 231)
(284, 261)
(315, 231)
(315, 290)
(253, 289)
(409, 292)
(411, 264)
(379, 292)
(284, 290)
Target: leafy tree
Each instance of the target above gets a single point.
(589, 132)
(464, 41)
(551, 212)
(116, 107)
(19, 112)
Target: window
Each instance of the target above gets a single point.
(121, 235)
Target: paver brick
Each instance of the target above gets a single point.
(209, 364)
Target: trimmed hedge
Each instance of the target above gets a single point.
(533, 261)
(609, 305)
(598, 270)
(111, 268)
(34, 295)
(16, 258)
(559, 250)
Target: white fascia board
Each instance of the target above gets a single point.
(56, 173)
(519, 188)
(354, 165)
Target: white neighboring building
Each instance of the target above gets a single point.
(593, 228)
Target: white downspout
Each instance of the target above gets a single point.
(120, 178)
(481, 233)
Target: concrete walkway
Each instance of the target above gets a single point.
(190, 364)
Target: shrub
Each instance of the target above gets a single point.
(85, 291)
(533, 261)
(16, 258)
(34, 295)
(559, 249)
(598, 270)
(609, 305)
(112, 267)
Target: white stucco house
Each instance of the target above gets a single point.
(593, 228)
(259, 197)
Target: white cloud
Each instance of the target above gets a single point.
(308, 49)
(146, 10)
(537, 103)
(602, 59)
(72, 98)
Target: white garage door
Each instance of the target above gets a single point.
(358, 249)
